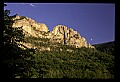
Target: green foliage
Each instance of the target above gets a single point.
(38, 41)
(33, 28)
(17, 62)
(22, 17)
(31, 38)
(84, 63)
(106, 47)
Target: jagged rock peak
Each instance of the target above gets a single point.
(63, 34)
(28, 24)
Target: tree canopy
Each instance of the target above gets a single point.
(17, 61)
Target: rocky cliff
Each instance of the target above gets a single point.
(60, 34)
(29, 26)
(63, 34)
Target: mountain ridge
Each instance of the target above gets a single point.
(60, 33)
(107, 47)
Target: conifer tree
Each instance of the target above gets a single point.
(17, 61)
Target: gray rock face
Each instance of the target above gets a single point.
(60, 34)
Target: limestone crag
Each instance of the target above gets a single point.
(68, 36)
(29, 26)
(60, 34)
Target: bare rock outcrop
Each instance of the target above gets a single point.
(68, 36)
(30, 27)
(61, 34)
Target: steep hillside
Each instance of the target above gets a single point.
(107, 47)
(66, 61)
(84, 63)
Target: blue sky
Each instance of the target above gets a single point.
(94, 21)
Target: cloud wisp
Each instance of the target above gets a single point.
(32, 5)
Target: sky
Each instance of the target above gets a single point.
(94, 21)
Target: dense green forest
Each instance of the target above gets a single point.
(82, 63)
(62, 61)
(107, 47)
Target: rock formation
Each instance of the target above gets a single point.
(29, 26)
(61, 34)
(68, 36)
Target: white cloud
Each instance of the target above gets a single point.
(32, 5)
